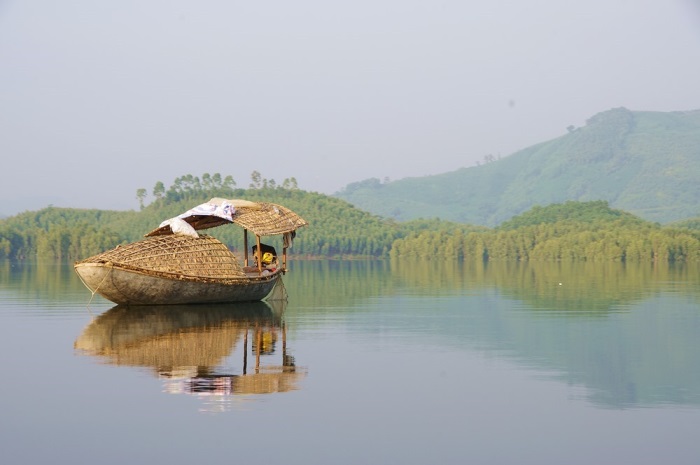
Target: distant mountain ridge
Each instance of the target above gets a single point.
(646, 163)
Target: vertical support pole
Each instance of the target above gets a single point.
(245, 246)
(258, 253)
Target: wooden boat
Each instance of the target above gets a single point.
(176, 265)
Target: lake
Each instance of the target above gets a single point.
(375, 362)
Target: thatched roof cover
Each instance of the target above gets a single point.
(261, 218)
(202, 257)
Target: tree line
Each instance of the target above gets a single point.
(572, 231)
(189, 186)
(337, 229)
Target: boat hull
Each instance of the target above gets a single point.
(134, 287)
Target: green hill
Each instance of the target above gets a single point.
(336, 228)
(646, 163)
(585, 213)
(569, 231)
(572, 231)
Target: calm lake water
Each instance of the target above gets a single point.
(367, 363)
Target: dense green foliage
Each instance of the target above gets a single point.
(646, 163)
(572, 231)
(587, 212)
(568, 231)
(337, 229)
(690, 223)
(60, 233)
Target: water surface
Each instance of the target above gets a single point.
(368, 362)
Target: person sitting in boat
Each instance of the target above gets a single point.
(269, 255)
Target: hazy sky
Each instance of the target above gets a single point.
(100, 98)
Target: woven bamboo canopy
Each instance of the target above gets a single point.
(261, 218)
(202, 257)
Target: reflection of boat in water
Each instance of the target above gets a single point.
(188, 345)
(176, 265)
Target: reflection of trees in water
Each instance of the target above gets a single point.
(628, 354)
(640, 349)
(571, 287)
(585, 287)
(187, 344)
(322, 283)
(48, 279)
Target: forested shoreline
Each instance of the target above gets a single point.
(572, 231)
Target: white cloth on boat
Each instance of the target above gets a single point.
(180, 226)
(223, 210)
